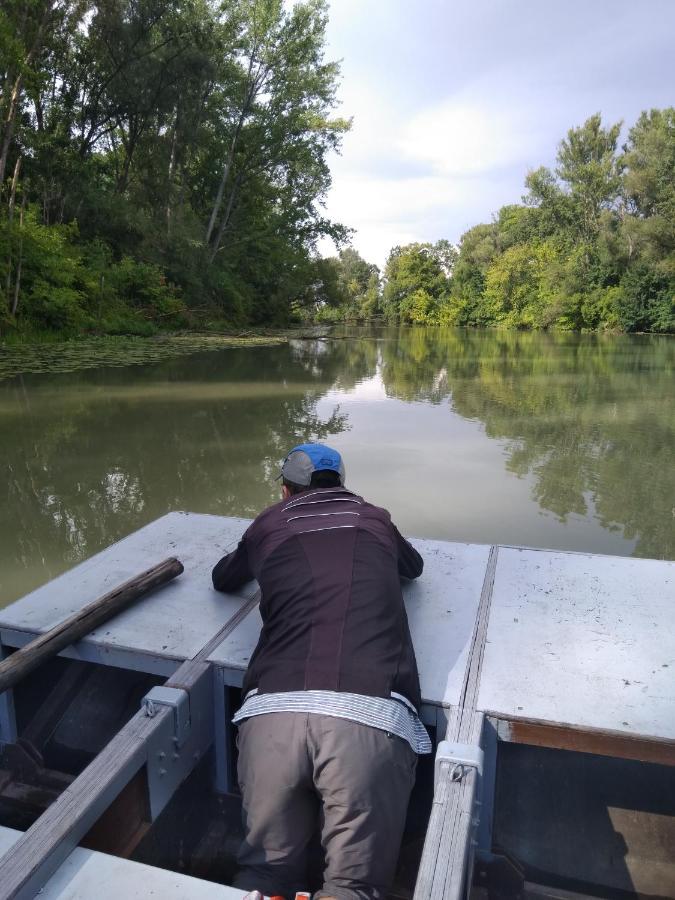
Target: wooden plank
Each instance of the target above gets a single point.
(454, 850)
(40, 850)
(469, 696)
(125, 823)
(28, 658)
(602, 743)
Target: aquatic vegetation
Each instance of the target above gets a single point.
(90, 353)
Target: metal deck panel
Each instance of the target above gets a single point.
(582, 640)
(173, 622)
(87, 873)
(441, 607)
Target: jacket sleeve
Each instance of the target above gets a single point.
(410, 563)
(233, 570)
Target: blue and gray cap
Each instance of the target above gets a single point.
(305, 459)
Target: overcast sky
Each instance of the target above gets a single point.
(453, 101)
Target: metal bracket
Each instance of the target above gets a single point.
(458, 757)
(178, 746)
(179, 700)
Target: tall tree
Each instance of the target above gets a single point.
(588, 165)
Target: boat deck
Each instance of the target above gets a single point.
(547, 649)
(576, 642)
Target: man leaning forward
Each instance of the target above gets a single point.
(329, 730)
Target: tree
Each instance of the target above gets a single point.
(282, 130)
(589, 167)
(648, 166)
(592, 246)
(185, 136)
(416, 284)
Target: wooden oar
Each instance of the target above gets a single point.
(75, 627)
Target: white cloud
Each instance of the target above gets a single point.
(452, 105)
(462, 137)
(399, 210)
(430, 176)
(430, 173)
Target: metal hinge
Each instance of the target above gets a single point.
(176, 698)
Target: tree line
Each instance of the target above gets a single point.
(591, 247)
(165, 162)
(161, 161)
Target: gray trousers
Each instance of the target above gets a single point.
(303, 772)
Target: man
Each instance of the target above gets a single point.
(328, 732)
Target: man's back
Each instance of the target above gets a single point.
(328, 564)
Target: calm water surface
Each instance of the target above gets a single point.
(560, 441)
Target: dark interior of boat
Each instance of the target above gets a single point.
(565, 823)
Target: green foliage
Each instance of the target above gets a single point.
(52, 277)
(417, 279)
(172, 157)
(166, 163)
(593, 246)
(343, 288)
(520, 287)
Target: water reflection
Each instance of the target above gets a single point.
(90, 457)
(558, 440)
(590, 417)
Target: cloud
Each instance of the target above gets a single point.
(453, 103)
(434, 174)
(387, 212)
(462, 137)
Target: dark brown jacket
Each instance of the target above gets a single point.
(328, 565)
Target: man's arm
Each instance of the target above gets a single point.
(410, 563)
(233, 570)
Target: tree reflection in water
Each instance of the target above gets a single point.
(93, 455)
(591, 417)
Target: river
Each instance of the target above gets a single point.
(545, 440)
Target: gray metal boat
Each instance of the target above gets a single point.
(548, 681)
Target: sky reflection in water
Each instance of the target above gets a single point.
(560, 441)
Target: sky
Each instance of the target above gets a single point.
(454, 100)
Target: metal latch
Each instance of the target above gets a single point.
(459, 757)
(179, 700)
